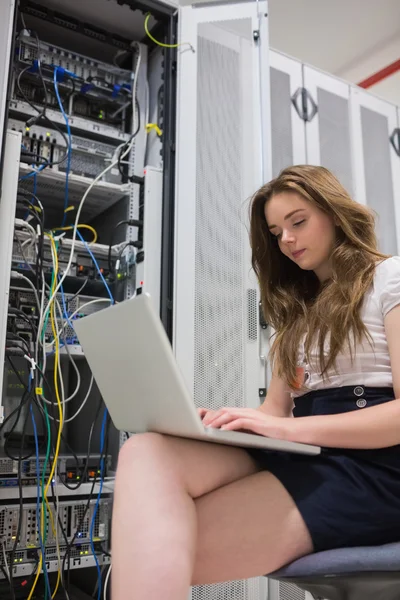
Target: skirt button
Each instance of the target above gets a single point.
(361, 402)
(358, 390)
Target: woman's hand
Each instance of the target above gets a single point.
(203, 412)
(248, 419)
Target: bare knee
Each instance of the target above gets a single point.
(198, 467)
(140, 446)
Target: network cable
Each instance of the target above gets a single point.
(38, 489)
(96, 265)
(99, 177)
(106, 582)
(69, 151)
(96, 508)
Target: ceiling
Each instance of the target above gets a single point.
(349, 38)
(333, 35)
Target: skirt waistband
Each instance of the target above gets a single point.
(339, 400)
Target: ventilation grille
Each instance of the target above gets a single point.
(281, 121)
(233, 590)
(218, 378)
(220, 292)
(378, 176)
(252, 315)
(334, 136)
(2, 522)
(288, 591)
(6, 466)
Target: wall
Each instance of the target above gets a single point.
(374, 61)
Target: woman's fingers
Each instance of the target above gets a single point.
(205, 411)
(225, 415)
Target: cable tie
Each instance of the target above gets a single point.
(32, 363)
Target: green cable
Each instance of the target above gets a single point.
(48, 439)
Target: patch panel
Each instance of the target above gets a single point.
(88, 88)
(18, 296)
(103, 77)
(82, 470)
(72, 518)
(88, 157)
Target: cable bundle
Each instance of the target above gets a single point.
(42, 399)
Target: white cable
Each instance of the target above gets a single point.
(147, 103)
(81, 406)
(26, 225)
(81, 308)
(93, 183)
(135, 81)
(44, 359)
(78, 375)
(62, 402)
(106, 583)
(17, 275)
(5, 560)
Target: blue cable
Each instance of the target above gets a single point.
(69, 150)
(96, 265)
(33, 173)
(66, 315)
(92, 524)
(34, 187)
(33, 197)
(35, 433)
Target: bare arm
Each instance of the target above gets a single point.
(278, 401)
(374, 427)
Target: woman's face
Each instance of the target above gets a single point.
(304, 232)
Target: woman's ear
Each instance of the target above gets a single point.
(336, 221)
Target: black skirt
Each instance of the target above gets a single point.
(346, 497)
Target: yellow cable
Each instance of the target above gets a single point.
(80, 226)
(153, 39)
(155, 127)
(60, 412)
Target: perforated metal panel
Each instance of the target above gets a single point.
(378, 176)
(225, 312)
(219, 373)
(233, 590)
(334, 134)
(281, 121)
(287, 591)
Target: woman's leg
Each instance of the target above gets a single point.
(179, 518)
(246, 529)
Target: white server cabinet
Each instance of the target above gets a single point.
(8, 199)
(287, 128)
(377, 164)
(318, 119)
(223, 156)
(328, 133)
(7, 15)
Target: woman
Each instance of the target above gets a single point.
(188, 512)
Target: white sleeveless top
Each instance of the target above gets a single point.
(371, 361)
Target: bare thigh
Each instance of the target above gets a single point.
(247, 523)
(246, 529)
(198, 467)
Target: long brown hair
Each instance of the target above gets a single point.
(294, 302)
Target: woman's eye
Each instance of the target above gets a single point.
(298, 223)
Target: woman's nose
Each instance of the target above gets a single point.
(287, 237)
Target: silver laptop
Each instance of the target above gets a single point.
(133, 364)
